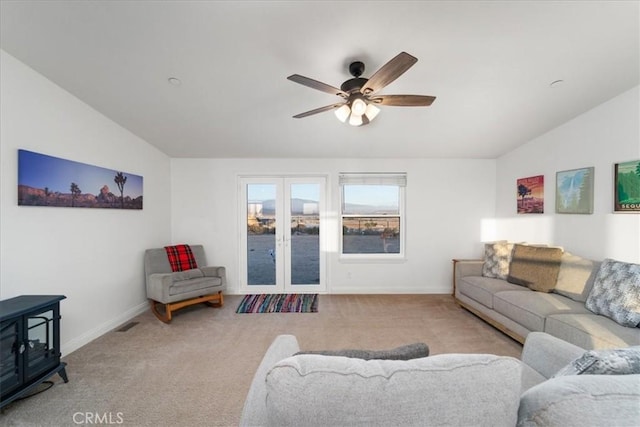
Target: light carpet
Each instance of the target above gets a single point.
(197, 370)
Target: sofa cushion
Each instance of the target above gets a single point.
(481, 289)
(310, 390)
(530, 309)
(576, 276)
(194, 273)
(591, 331)
(190, 285)
(536, 267)
(617, 361)
(497, 256)
(616, 292)
(405, 352)
(584, 400)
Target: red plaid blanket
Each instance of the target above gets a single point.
(180, 257)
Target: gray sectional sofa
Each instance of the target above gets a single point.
(487, 289)
(290, 389)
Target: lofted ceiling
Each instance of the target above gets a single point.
(489, 63)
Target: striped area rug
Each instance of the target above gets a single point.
(279, 303)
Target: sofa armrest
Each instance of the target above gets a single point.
(254, 412)
(158, 286)
(212, 271)
(463, 268)
(582, 400)
(547, 354)
(469, 267)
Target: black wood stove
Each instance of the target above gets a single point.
(29, 344)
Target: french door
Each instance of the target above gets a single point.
(282, 234)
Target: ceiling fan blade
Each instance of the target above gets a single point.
(404, 100)
(389, 72)
(314, 84)
(318, 110)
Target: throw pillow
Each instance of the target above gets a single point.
(616, 292)
(621, 361)
(536, 267)
(405, 352)
(181, 257)
(497, 256)
(576, 277)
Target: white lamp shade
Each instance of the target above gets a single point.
(358, 107)
(371, 112)
(343, 112)
(355, 120)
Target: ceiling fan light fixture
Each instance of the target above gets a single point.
(358, 107)
(371, 111)
(343, 113)
(359, 94)
(355, 120)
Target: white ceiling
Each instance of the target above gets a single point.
(489, 64)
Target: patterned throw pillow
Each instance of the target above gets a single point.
(621, 361)
(497, 257)
(616, 292)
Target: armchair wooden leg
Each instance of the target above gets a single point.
(213, 300)
(166, 316)
(217, 300)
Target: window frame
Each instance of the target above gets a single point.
(398, 179)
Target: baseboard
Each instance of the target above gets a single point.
(390, 291)
(386, 291)
(74, 344)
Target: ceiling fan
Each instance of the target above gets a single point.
(359, 94)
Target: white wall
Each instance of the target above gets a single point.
(607, 134)
(447, 202)
(93, 256)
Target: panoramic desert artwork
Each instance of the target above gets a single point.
(50, 181)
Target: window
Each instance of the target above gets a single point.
(372, 215)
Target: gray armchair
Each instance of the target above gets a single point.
(168, 291)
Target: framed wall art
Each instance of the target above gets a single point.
(530, 192)
(50, 181)
(574, 191)
(627, 186)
